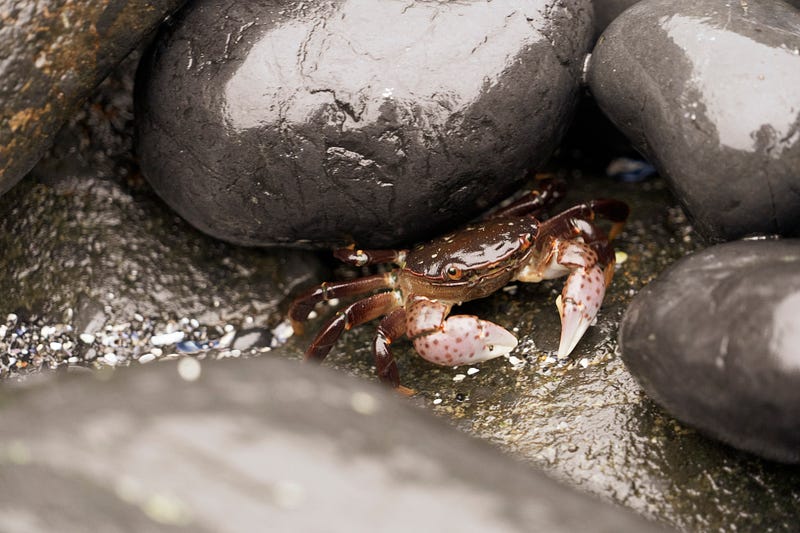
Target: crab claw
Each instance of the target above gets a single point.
(578, 305)
(465, 339)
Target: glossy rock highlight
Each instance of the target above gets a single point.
(269, 123)
(708, 91)
(716, 341)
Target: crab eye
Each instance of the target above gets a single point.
(453, 272)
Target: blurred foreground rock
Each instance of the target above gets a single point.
(258, 442)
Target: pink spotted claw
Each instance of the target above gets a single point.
(465, 340)
(458, 340)
(578, 305)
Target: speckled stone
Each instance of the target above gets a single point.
(268, 123)
(52, 54)
(708, 91)
(716, 341)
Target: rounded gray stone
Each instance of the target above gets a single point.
(715, 340)
(708, 91)
(267, 123)
(257, 442)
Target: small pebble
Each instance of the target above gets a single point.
(516, 361)
(459, 377)
(167, 338)
(227, 339)
(281, 333)
(472, 371)
(188, 347)
(110, 358)
(146, 358)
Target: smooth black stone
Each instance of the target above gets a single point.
(262, 441)
(52, 54)
(707, 90)
(605, 11)
(268, 123)
(715, 340)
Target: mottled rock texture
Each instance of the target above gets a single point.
(285, 122)
(716, 341)
(708, 91)
(52, 54)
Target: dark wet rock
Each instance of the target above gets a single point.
(95, 265)
(53, 53)
(716, 341)
(707, 91)
(265, 441)
(606, 11)
(264, 122)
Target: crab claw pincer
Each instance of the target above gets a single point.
(465, 339)
(578, 305)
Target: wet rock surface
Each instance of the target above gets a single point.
(100, 272)
(267, 441)
(715, 341)
(53, 53)
(706, 90)
(587, 423)
(290, 122)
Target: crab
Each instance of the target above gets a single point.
(513, 243)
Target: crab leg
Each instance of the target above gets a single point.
(357, 313)
(533, 203)
(458, 340)
(391, 328)
(577, 219)
(303, 304)
(352, 256)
